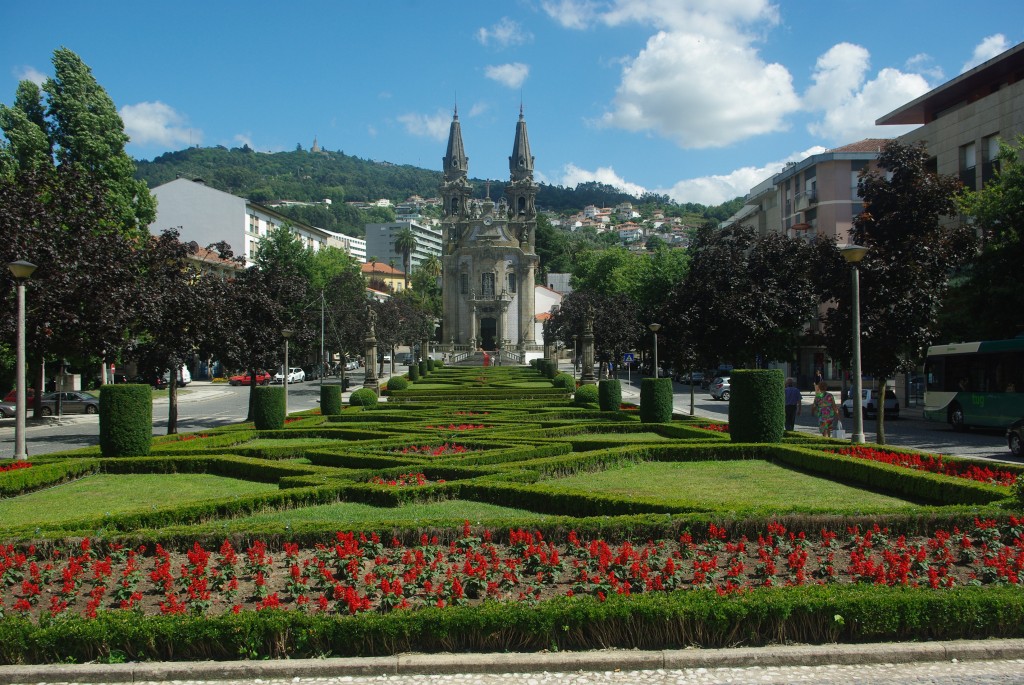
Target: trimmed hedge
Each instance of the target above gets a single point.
(586, 395)
(564, 381)
(414, 372)
(363, 397)
(757, 407)
(330, 400)
(268, 407)
(609, 394)
(656, 400)
(430, 365)
(126, 420)
(398, 383)
(423, 369)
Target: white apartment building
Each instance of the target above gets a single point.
(380, 242)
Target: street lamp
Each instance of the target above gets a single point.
(655, 327)
(286, 333)
(575, 357)
(853, 254)
(21, 270)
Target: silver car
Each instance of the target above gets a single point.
(720, 388)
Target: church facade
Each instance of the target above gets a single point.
(489, 259)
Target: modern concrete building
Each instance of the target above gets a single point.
(207, 215)
(963, 120)
(380, 242)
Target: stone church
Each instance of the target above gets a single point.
(489, 259)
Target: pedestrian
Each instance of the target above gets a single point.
(793, 402)
(824, 407)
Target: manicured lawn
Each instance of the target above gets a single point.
(645, 436)
(432, 386)
(731, 484)
(114, 493)
(531, 384)
(350, 514)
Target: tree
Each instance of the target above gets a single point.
(405, 242)
(986, 301)
(616, 326)
(905, 273)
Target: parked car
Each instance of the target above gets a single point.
(403, 358)
(262, 378)
(7, 409)
(151, 378)
(352, 365)
(295, 375)
(694, 378)
(70, 403)
(12, 396)
(312, 372)
(184, 377)
(1013, 438)
(720, 388)
(869, 404)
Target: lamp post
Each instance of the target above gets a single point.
(286, 333)
(21, 270)
(575, 357)
(655, 327)
(853, 254)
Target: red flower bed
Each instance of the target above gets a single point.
(717, 427)
(14, 466)
(403, 480)
(932, 464)
(460, 427)
(434, 450)
(193, 436)
(628, 407)
(357, 573)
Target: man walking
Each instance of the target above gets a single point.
(793, 400)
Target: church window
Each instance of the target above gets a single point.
(455, 206)
(512, 283)
(487, 285)
(464, 283)
(521, 205)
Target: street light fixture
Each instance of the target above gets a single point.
(575, 357)
(286, 333)
(22, 271)
(655, 327)
(853, 254)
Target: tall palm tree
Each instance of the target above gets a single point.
(432, 266)
(405, 242)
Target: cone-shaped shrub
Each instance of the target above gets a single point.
(656, 400)
(423, 369)
(609, 394)
(586, 395)
(126, 420)
(414, 372)
(564, 381)
(757, 405)
(552, 369)
(363, 397)
(268, 408)
(430, 365)
(330, 400)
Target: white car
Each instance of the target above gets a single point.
(869, 404)
(184, 376)
(295, 375)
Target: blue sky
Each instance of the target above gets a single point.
(699, 99)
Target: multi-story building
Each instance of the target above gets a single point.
(392, 278)
(963, 120)
(380, 242)
(207, 215)
(354, 246)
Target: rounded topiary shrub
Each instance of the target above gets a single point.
(430, 365)
(363, 397)
(398, 383)
(564, 381)
(423, 369)
(656, 400)
(586, 395)
(414, 372)
(126, 420)
(609, 394)
(757, 405)
(330, 400)
(552, 369)
(438, 363)
(268, 408)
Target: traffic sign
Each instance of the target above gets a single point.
(627, 357)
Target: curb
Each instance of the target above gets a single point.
(564, 662)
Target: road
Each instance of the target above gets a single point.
(204, 405)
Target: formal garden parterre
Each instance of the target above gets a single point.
(490, 509)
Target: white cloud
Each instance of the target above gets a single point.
(478, 108)
(986, 50)
(850, 104)
(244, 139)
(503, 34)
(710, 18)
(702, 92)
(573, 175)
(155, 123)
(719, 188)
(571, 14)
(27, 73)
(512, 75)
(434, 126)
(922, 63)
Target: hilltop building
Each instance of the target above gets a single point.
(489, 259)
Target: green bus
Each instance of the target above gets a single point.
(975, 384)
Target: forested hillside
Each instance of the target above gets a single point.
(314, 176)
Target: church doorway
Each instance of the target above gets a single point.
(488, 331)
